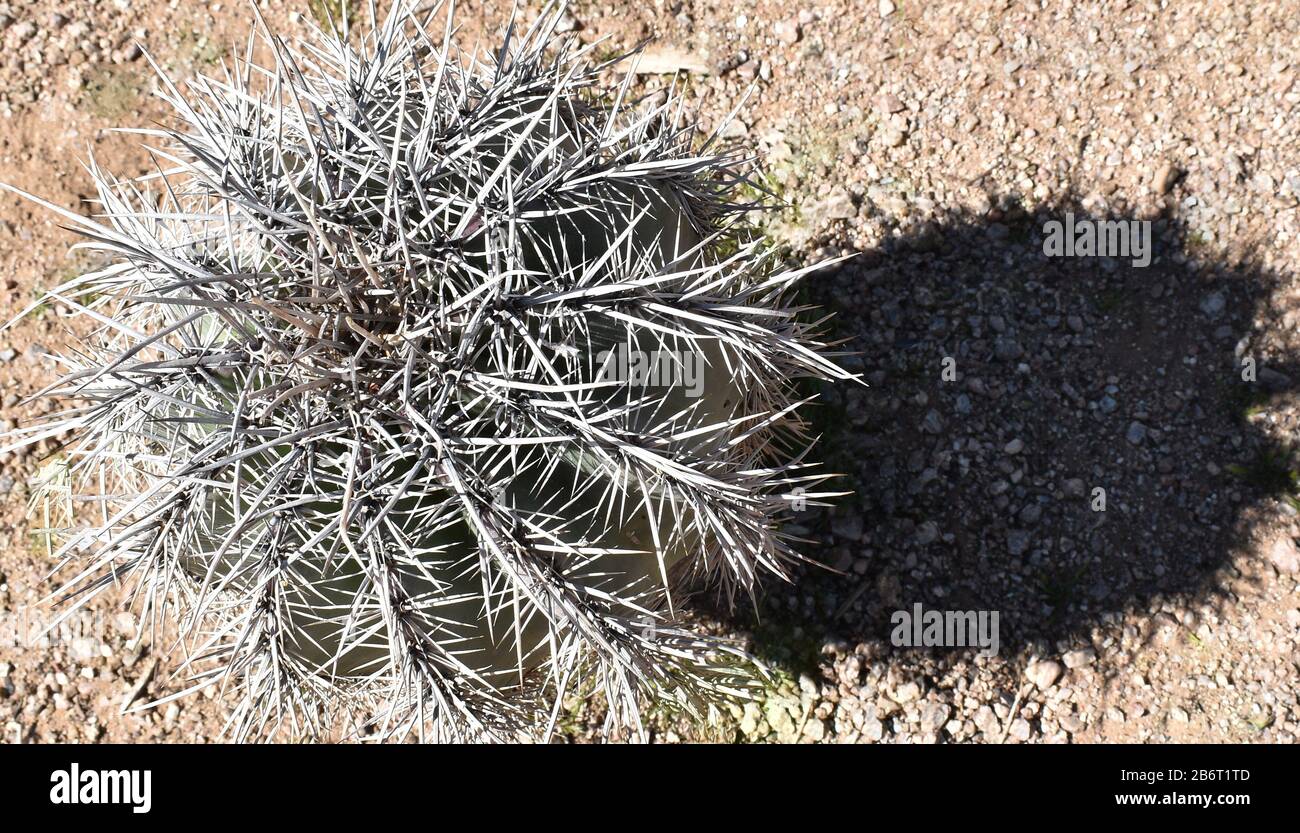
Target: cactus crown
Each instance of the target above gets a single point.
(358, 390)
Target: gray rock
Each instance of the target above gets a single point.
(848, 527)
(1007, 349)
(1018, 541)
(1274, 380)
(1137, 432)
(1213, 305)
(933, 423)
(928, 239)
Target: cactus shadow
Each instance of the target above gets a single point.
(1093, 453)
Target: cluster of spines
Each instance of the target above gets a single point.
(342, 323)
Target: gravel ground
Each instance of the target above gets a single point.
(931, 142)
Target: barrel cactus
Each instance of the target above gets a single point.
(420, 386)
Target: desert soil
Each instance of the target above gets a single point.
(931, 142)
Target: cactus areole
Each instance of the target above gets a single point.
(420, 384)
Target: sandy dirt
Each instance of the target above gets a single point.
(932, 141)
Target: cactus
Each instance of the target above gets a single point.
(386, 399)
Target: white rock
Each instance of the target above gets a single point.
(566, 23)
(1078, 659)
(668, 60)
(787, 31)
(1284, 555)
(815, 729)
(1044, 673)
(907, 692)
(838, 205)
(84, 649)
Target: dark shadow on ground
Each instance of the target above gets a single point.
(1109, 376)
